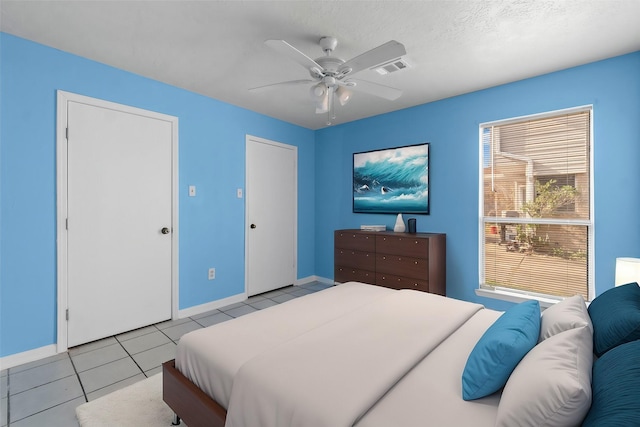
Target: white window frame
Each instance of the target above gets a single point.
(513, 295)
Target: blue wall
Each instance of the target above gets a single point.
(211, 156)
(451, 126)
(212, 148)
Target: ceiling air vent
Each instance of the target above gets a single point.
(392, 66)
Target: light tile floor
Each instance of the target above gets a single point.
(46, 392)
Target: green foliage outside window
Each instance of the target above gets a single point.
(550, 199)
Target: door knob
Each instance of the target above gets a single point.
(253, 226)
(164, 230)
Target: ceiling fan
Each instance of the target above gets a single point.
(331, 76)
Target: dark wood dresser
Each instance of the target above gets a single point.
(395, 260)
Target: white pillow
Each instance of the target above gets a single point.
(567, 314)
(551, 386)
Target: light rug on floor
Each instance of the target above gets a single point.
(138, 405)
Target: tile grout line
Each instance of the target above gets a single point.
(130, 356)
(193, 320)
(105, 363)
(84, 393)
(168, 337)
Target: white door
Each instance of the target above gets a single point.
(119, 200)
(271, 218)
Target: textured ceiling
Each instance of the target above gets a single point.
(215, 48)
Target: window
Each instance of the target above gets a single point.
(536, 221)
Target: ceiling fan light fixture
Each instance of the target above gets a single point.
(322, 106)
(343, 94)
(318, 91)
(320, 96)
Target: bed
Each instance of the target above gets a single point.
(367, 356)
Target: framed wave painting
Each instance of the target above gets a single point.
(392, 180)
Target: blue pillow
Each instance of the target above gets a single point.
(500, 349)
(615, 315)
(615, 385)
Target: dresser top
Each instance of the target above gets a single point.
(389, 233)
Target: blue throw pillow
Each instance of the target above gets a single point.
(615, 315)
(615, 385)
(500, 349)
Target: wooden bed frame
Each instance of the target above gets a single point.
(187, 401)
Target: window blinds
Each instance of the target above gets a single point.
(536, 195)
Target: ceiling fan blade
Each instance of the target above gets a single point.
(378, 55)
(288, 83)
(292, 53)
(386, 92)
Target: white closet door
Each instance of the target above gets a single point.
(119, 200)
(271, 225)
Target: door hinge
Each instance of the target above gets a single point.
(66, 223)
(67, 314)
(66, 133)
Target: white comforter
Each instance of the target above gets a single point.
(332, 374)
(211, 357)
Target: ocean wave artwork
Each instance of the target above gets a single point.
(394, 180)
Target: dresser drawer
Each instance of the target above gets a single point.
(400, 265)
(408, 246)
(399, 282)
(356, 259)
(347, 274)
(353, 240)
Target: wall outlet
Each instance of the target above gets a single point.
(212, 273)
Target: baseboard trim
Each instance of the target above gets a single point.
(213, 305)
(310, 279)
(17, 359)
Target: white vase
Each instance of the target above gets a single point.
(399, 227)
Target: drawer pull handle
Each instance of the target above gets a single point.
(416, 242)
(399, 259)
(416, 262)
(384, 257)
(398, 280)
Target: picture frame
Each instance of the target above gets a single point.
(392, 180)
